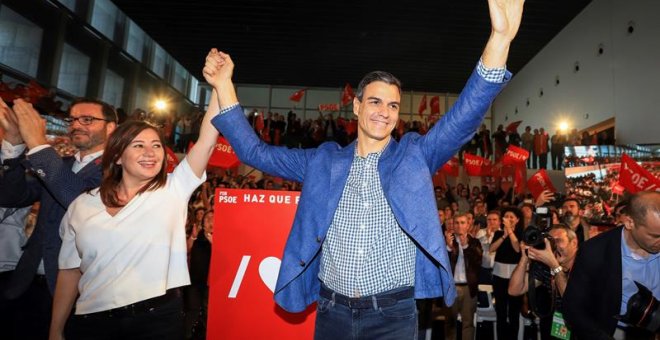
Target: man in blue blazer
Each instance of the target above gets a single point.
(366, 239)
(41, 175)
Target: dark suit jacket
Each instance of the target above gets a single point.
(593, 294)
(50, 181)
(472, 255)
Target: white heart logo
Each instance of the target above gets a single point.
(269, 269)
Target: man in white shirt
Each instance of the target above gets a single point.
(40, 174)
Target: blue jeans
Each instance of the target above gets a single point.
(377, 317)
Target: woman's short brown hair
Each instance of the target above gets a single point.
(119, 140)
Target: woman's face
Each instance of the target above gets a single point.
(208, 223)
(142, 160)
(512, 218)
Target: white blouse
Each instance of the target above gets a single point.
(135, 255)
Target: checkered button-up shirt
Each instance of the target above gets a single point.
(366, 251)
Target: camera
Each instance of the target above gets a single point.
(643, 310)
(534, 236)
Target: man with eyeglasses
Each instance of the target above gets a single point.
(40, 174)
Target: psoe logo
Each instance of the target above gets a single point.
(224, 198)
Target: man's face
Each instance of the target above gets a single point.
(378, 112)
(470, 219)
(441, 215)
(461, 225)
(90, 137)
(449, 225)
(493, 221)
(566, 249)
(481, 208)
(571, 207)
(646, 233)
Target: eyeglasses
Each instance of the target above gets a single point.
(84, 120)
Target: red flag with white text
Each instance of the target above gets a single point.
(635, 178)
(538, 182)
(514, 155)
(223, 155)
(476, 166)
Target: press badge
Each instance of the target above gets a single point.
(559, 329)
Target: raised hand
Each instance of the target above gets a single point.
(9, 123)
(218, 68)
(505, 17)
(30, 124)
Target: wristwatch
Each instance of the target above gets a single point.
(556, 271)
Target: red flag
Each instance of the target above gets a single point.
(259, 122)
(351, 127)
(347, 95)
(297, 96)
(435, 105)
(422, 107)
(515, 155)
(635, 178)
(539, 182)
(519, 178)
(451, 167)
(513, 126)
(172, 160)
(476, 166)
(223, 155)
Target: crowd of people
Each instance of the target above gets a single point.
(370, 238)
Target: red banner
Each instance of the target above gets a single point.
(514, 155)
(635, 178)
(329, 107)
(297, 96)
(250, 230)
(422, 106)
(451, 167)
(519, 178)
(172, 160)
(539, 182)
(476, 166)
(223, 155)
(435, 105)
(347, 95)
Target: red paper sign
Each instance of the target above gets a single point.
(539, 182)
(250, 230)
(223, 155)
(476, 166)
(514, 155)
(635, 178)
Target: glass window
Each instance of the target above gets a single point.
(194, 90)
(20, 42)
(158, 61)
(70, 4)
(113, 88)
(180, 78)
(136, 41)
(104, 15)
(74, 71)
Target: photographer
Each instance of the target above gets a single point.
(558, 259)
(607, 268)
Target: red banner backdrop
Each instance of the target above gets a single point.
(538, 182)
(250, 230)
(635, 178)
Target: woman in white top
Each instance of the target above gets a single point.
(124, 244)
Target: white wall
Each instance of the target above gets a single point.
(622, 82)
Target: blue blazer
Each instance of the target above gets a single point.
(55, 186)
(405, 170)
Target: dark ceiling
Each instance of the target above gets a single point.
(429, 45)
